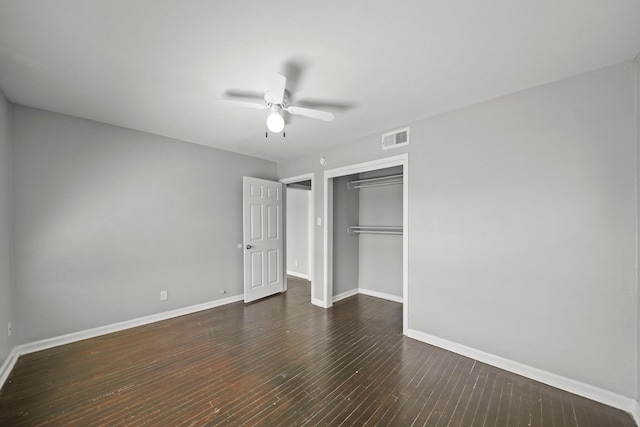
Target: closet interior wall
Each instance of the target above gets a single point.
(380, 255)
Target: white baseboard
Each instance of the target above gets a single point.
(8, 365)
(319, 303)
(368, 292)
(296, 274)
(576, 387)
(362, 291)
(382, 295)
(636, 413)
(344, 295)
(103, 330)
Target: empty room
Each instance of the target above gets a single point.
(410, 213)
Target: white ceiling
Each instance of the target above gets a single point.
(157, 65)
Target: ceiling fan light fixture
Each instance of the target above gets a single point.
(275, 122)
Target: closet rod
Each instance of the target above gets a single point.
(378, 227)
(399, 233)
(375, 182)
(375, 229)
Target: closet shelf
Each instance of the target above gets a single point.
(375, 229)
(375, 182)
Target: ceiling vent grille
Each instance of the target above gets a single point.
(395, 139)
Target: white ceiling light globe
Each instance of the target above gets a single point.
(275, 122)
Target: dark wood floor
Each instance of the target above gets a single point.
(280, 361)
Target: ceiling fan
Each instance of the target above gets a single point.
(276, 99)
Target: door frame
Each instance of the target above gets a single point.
(311, 228)
(399, 160)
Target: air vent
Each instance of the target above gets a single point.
(394, 139)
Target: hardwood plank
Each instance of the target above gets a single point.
(383, 396)
(420, 394)
(465, 400)
(493, 404)
(433, 409)
(280, 361)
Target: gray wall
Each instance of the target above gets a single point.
(522, 215)
(6, 291)
(106, 218)
(346, 246)
(524, 228)
(380, 255)
(298, 231)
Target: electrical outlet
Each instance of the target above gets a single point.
(295, 262)
(9, 329)
(164, 295)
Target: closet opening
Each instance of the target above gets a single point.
(299, 241)
(366, 233)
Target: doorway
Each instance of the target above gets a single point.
(329, 175)
(300, 250)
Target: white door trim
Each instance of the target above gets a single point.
(311, 240)
(400, 160)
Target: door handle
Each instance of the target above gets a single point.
(249, 246)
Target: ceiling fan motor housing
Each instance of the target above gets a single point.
(269, 99)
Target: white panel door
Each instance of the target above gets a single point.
(263, 239)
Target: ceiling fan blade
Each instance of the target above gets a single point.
(277, 85)
(308, 112)
(232, 103)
